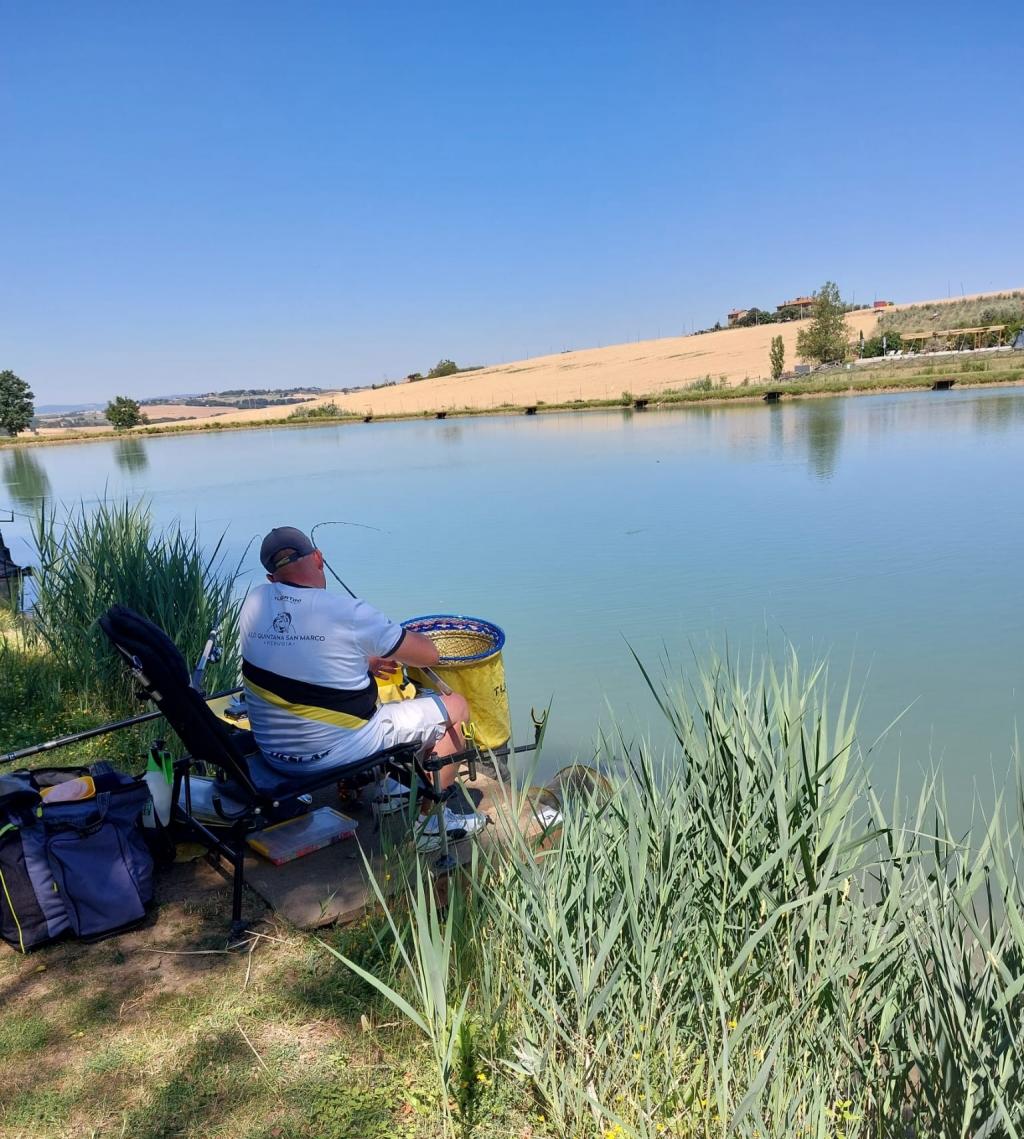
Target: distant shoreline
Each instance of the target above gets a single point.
(826, 385)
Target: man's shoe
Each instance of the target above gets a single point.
(388, 796)
(429, 835)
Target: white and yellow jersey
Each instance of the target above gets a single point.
(305, 667)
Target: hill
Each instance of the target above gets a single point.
(645, 367)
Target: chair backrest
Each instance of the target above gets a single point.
(163, 675)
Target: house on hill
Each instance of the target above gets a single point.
(736, 315)
(803, 305)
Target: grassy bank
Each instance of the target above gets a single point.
(916, 374)
(733, 939)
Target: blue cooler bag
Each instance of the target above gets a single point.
(81, 865)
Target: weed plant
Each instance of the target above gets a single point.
(738, 940)
(329, 410)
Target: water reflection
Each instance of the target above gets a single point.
(130, 455)
(823, 427)
(997, 414)
(27, 481)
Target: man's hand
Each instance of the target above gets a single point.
(382, 667)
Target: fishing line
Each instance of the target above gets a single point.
(327, 564)
(442, 686)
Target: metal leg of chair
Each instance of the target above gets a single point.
(447, 860)
(238, 927)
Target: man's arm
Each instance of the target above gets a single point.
(414, 649)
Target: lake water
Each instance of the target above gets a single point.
(884, 531)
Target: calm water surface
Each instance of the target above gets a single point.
(885, 531)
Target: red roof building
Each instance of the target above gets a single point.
(804, 304)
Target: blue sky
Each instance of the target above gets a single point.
(201, 196)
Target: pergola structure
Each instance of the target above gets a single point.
(980, 335)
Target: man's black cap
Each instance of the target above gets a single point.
(282, 546)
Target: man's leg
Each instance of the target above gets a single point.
(452, 741)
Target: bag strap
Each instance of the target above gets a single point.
(92, 823)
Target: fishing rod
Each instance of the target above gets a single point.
(442, 687)
(90, 733)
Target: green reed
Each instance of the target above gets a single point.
(738, 940)
(113, 553)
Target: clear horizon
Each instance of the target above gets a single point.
(206, 199)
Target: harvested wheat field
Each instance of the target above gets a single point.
(647, 366)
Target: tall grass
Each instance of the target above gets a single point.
(114, 554)
(737, 941)
(39, 699)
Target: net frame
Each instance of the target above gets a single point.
(460, 640)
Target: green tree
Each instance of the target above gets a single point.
(123, 413)
(755, 316)
(443, 368)
(826, 339)
(16, 406)
(777, 357)
(880, 344)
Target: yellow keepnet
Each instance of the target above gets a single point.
(470, 664)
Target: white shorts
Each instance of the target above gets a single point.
(419, 721)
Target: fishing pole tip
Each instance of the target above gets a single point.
(339, 522)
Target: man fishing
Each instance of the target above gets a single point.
(309, 663)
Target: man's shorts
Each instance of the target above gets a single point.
(422, 720)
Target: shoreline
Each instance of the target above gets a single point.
(716, 397)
